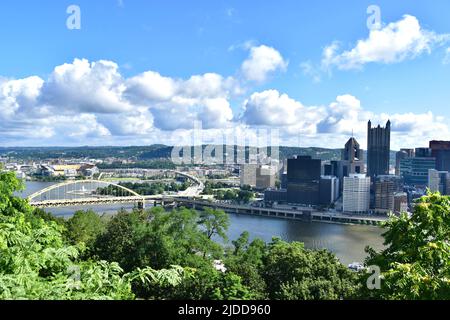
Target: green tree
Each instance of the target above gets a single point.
(158, 239)
(208, 283)
(119, 241)
(416, 261)
(215, 222)
(246, 261)
(245, 196)
(85, 227)
(47, 216)
(36, 262)
(292, 272)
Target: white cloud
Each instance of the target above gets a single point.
(81, 86)
(331, 125)
(395, 42)
(345, 115)
(137, 123)
(92, 103)
(101, 102)
(16, 94)
(262, 61)
(149, 86)
(270, 108)
(177, 103)
(216, 113)
(209, 85)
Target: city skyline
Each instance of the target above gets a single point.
(127, 77)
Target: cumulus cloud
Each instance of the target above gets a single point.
(15, 94)
(92, 103)
(97, 100)
(82, 86)
(270, 108)
(331, 125)
(177, 103)
(262, 61)
(149, 86)
(393, 43)
(345, 115)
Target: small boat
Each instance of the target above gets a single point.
(356, 266)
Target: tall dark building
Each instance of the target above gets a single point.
(303, 180)
(441, 151)
(378, 149)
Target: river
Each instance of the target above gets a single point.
(346, 241)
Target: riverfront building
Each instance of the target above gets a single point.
(329, 190)
(386, 187)
(304, 180)
(356, 193)
(400, 202)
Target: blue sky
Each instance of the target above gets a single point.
(181, 39)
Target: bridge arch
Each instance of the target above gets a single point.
(39, 193)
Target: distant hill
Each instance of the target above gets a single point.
(147, 153)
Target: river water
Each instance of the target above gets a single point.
(346, 241)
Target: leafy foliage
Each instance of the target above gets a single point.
(160, 239)
(139, 254)
(288, 271)
(416, 261)
(37, 263)
(85, 227)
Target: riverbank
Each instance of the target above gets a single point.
(347, 241)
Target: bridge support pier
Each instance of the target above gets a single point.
(141, 205)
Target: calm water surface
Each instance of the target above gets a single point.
(346, 241)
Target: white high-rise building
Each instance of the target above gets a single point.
(356, 193)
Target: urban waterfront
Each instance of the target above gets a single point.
(346, 241)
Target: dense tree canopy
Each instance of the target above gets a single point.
(288, 271)
(37, 263)
(85, 227)
(184, 254)
(416, 261)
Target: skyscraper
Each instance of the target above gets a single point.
(385, 189)
(414, 171)
(441, 151)
(356, 195)
(439, 181)
(303, 180)
(353, 156)
(399, 156)
(378, 149)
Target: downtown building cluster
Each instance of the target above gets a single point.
(359, 182)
